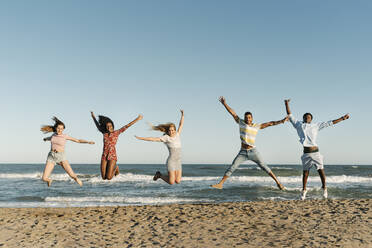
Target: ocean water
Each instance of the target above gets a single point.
(21, 185)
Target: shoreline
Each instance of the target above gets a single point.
(68, 206)
(294, 223)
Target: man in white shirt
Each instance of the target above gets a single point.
(308, 133)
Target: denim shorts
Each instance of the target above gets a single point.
(174, 162)
(244, 155)
(56, 157)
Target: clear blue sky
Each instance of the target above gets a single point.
(122, 58)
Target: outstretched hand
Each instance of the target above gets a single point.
(345, 117)
(222, 99)
(92, 114)
(181, 110)
(140, 117)
(91, 142)
(287, 100)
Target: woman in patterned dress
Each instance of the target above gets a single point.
(110, 137)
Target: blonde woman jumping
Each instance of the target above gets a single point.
(172, 140)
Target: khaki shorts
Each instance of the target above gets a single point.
(312, 159)
(56, 157)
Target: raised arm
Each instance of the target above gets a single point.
(286, 102)
(180, 126)
(292, 119)
(155, 139)
(80, 141)
(96, 122)
(342, 118)
(230, 110)
(139, 117)
(273, 123)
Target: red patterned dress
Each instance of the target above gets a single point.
(109, 142)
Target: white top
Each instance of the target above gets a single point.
(171, 142)
(248, 132)
(308, 132)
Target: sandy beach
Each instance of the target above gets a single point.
(313, 223)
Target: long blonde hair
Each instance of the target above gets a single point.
(163, 127)
(50, 128)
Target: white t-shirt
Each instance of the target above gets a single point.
(171, 142)
(308, 132)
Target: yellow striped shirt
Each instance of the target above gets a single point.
(248, 133)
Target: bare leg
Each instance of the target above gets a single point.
(47, 171)
(322, 178)
(280, 186)
(304, 179)
(178, 176)
(117, 172)
(170, 179)
(103, 168)
(110, 169)
(67, 167)
(220, 184)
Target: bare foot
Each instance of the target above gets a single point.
(281, 187)
(217, 186)
(117, 172)
(78, 181)
(157, 175)
(49, 182)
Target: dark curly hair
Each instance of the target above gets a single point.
(102, 122)
(303, 117)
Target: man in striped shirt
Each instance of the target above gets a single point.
(248, 151)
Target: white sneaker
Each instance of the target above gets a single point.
(325, 193)
(303, 194)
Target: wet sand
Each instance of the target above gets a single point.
(311, 223)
